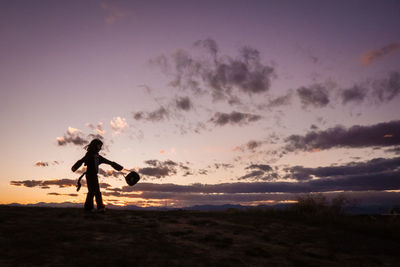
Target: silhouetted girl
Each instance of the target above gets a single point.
(92, 160)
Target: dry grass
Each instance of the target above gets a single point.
(256, 237)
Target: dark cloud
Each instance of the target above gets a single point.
(184, 103)
(158, 172)
(377, 165)
(161, 169)
(377, 91)
(109, 173)
(157, 115)
(46, 163)
(210, 46)
(259, 172)
(363, 182)
(76, 137)
(68, 138)
(381, 134)
(355, 94)
(254, 175)
(234, 118)
(41, 164)
(223, 166)
(386, 89)
(369, 181)
(45, 184)
(316, 95)
(217, 75)
(252, 145)
(262, 167)
(283, 100)
(203, 172)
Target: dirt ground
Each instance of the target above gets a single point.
(68, 236)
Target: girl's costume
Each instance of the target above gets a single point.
(92, 162)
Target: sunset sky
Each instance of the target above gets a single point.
(212, 102)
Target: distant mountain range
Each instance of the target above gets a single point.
(359, 209)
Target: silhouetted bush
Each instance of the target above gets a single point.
(317, 204)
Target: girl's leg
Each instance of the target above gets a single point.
(94, 190)
(89, 201)
(99, 200)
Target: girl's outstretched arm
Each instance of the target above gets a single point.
(78, 164)
(113, 164)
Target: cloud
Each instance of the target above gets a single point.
(157, 115)
(118, 124)
(109, 173)
(283, 100)
(381, 134)
(160, 169)
(259, 172)
(377, 91)
(74, 136)
(355, 94)
(363, 182)
(234, 118)
(377, 165)
(387, 178)
(262, 167)
(184, 103)
(218, 76)
(210, 46)
(41, 164)
(315, 95)
(373, 55)
(45, 183)
(385, 90)
(223, 166)
(158, 172)
(254, 145)
(98, 128)
(46, 163)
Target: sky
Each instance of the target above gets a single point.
(211, 102)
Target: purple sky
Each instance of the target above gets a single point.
(270, 98)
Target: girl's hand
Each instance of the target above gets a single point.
(116, 166)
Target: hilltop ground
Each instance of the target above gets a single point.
(69, 236)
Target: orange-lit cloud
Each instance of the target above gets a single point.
(72, 130)
(375, 54)
(118, 124)
(97, 129)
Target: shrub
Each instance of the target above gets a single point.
(318, 204)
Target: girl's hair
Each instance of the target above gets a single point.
(92, 147)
